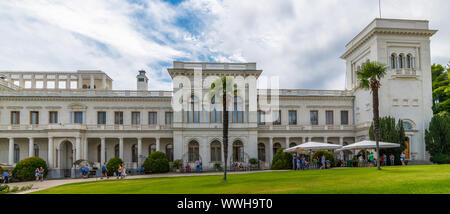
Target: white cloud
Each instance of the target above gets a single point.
(300, 41)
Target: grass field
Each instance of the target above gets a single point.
(390, 180)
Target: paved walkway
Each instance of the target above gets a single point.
(40, 185)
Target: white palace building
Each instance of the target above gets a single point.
(67, 116)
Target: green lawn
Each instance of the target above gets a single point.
(390, 180)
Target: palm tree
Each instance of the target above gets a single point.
(369, 77)
(226, 88)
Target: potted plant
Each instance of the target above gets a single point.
(177, 165)
(218, 166)
(253, 162)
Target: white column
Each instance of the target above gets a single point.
(341, 142)
(77, 148)
(102, 150)
(56, 81)
(68, 78)
(309, 139)
(303, 139)
(33, 81)
(287, 142)
(158, 144)
(30, 146)
(85, 147)
(121, 148)
(139, 151)
(325, 139)
(44, 85)
(92, 81)
(50, 152)
(80, 82)
(11, 151)
(104, 81)
(270, 151)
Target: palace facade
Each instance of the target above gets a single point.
(67, 116)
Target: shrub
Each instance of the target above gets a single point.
(25, 169)
(157, 162)
(253, 161)
(4, 189)
(113, 165)
(282, 160)
(328, 156)
(218, 166)
(177, 164)
(440, 159)
(14, 189)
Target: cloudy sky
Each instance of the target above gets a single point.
(298, 40)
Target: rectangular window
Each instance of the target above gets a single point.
(314, 117)
(135, 118)
(101, 117)
(53, 117)
(78, 117)
(152, 118)
(344, 117)
(261, 115)
(292, 117)
(329, 117)
(276, 117)
(169, 117)
(118, 117)
(15, 117)
(34, 117)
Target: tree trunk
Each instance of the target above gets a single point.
(225, 134)
(376, 118)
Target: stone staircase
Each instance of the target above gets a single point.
(420, 162)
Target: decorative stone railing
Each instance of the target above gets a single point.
(86, 92)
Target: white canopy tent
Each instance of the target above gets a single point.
(312, 146)
(369, 144)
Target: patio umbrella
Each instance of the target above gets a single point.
(312, 146)
(369, 144)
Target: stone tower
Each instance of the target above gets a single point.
(142, 81)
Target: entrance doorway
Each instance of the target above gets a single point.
(66, 157)
(406, 152)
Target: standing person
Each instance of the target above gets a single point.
(392, 158)
(119, 171)
(81, 171)
(124, 171)
(36, 174)
(197, 166)
(303, 163)
(41, 174)
(360, 161)
(5, 177)
(323, 166)
(385, 159)
(104, 174)
(201, 166)
(295, 162)
(371, 159)
(402, 158)
(382, 160)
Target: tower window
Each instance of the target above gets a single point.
(141, 79)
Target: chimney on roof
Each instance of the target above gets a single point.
(142, 81)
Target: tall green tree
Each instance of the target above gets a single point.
(370, 77)
(441, 88)
(437, 138)
(392, 133)
(226, 89)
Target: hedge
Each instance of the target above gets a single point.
(113, 166)
(282, 160)
(156, 163)
(26, 168)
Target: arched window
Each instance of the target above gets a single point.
(99, 152)
(134, 153)
(116, 151)
(276, 146)
(151, 149)
(193, 114)
(393, 61)
(238, 112)
(36, 150)
(292, 145)
(193, 151)
(401, 61)
(407, 125)
(215, 115)
(216, 154)
(16, 153)
(169, 152)
(408, 61)
(238, 151)
(261, 152)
